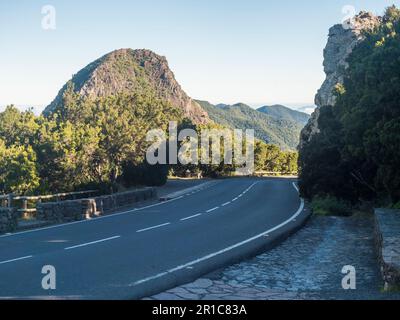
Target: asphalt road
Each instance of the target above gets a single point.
(145, 251)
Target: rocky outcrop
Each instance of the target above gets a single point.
(342, 39)
(130, 71)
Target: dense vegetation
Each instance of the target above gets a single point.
(100, 143)
(272, 125)
(356, 155)
(86, 143)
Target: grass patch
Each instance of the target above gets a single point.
(391, 289)
(330, 206)
(396, 206)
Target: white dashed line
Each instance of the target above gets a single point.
(155, 227)
(191, 217)
(17, 259)
(91, 243)
(213, 209)
(244, 192)
(226, 204)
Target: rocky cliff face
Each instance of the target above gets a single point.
(129, 71)
(341, 42)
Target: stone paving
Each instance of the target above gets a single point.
(306, 266)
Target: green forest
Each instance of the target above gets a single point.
(275, 126)
(101, 144)
(356, 156)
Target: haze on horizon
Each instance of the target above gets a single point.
(255, 52)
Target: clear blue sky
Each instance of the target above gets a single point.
(253, 51)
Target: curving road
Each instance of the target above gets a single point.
(146, 250)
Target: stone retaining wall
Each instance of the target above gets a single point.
(75, 210)
(8, 220)
(63, 211)
(387, 238)
(111, 202)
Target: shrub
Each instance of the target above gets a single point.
(144, 175)
(330, 206)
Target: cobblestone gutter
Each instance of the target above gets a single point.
(387, 239)
(308, 265)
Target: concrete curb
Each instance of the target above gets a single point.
(387, 241)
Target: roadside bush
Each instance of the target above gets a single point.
(144, 175)
(330, 206)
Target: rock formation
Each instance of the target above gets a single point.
(342, 40)
(129, 71)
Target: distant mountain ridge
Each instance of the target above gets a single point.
(307, 109)
(276, 125)
(132, 71)
(281, 112)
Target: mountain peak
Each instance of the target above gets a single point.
(131, 71)
(240, 105)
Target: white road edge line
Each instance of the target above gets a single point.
(191, 217)
(17, 259)
(226, 204)
(212, 255)
(154, 227)
(91, 243)
(213, 209)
